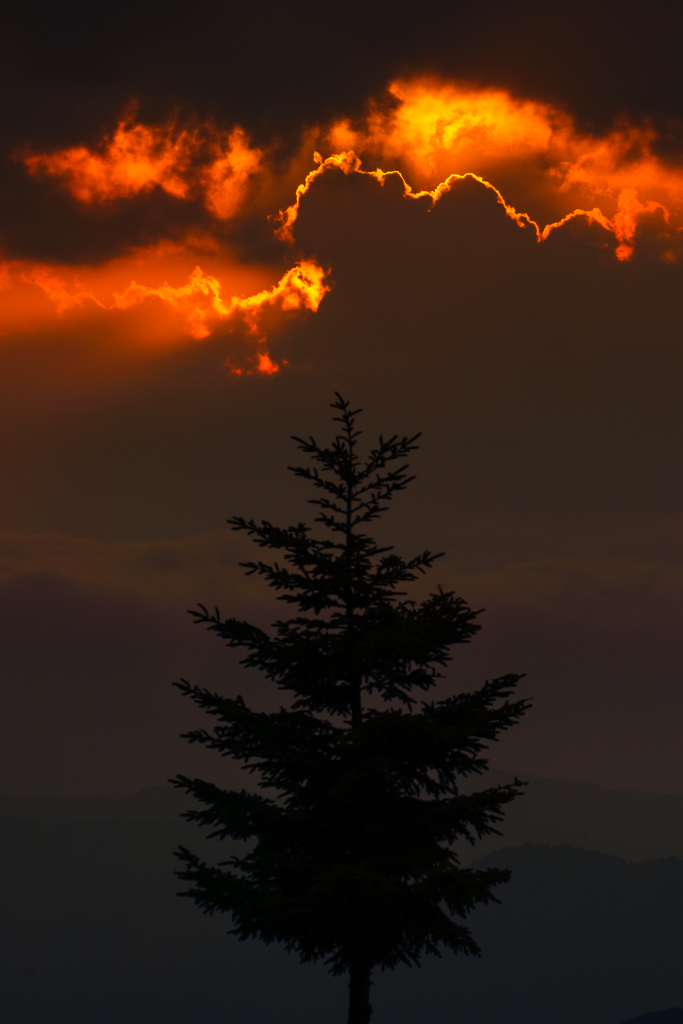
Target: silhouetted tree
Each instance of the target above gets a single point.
(353, 861)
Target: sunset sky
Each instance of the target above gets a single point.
(469, 221)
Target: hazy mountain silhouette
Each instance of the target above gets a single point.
(664, 1017)
(157, 803)
(625, 823)
(92, 933)
(632, 825)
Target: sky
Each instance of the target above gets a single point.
(468, 221)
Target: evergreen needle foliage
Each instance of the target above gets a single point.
(352, 861)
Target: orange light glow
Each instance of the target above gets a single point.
(265, 364)
(261, 364)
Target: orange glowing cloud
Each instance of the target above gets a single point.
(226, 178)
(138, 157)
(178, 295)
(438, 128)
(134, 159)
(202, 302)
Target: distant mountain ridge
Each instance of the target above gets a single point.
(632, 825)
(672, 1016)
(157, 803)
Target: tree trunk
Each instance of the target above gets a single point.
(360, 1009)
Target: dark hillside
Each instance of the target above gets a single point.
(91, 933)
(671, 1016)
(581, 938)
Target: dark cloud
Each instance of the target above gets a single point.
(42, 221)
(274, 66)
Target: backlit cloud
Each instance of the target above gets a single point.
(176, 296)
(438, 131)
(134, 159)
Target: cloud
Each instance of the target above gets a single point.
(180, 296)
(440, 133)
(88, 708)
(136, 158)
(172, 574)
(514, 564)
(436, 130)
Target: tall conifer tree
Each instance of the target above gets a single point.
(352, 858)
